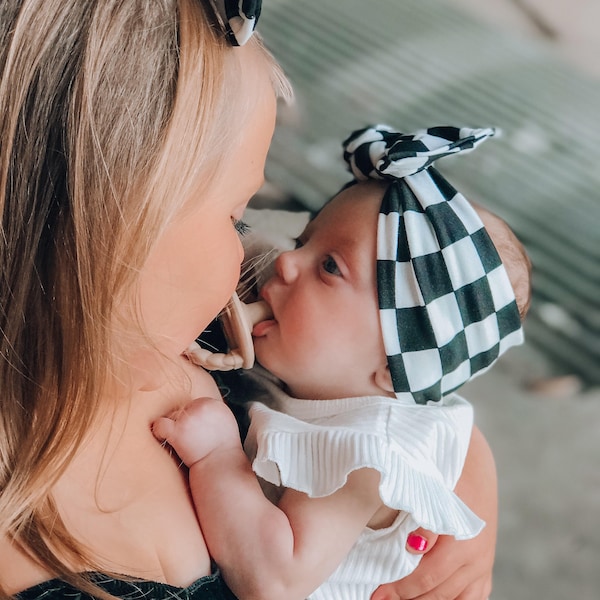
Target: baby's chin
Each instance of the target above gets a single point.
(265, 360)
(261, 354)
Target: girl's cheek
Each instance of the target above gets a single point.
(240, 251)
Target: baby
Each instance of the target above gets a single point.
(398, 292)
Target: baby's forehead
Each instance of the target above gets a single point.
(348, 224)
(370, 190)
(357, 203)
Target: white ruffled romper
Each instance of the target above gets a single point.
(312, 445)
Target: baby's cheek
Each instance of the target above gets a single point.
(298, 335)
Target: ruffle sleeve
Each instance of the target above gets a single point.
(419, 451)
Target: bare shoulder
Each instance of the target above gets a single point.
(124, 476)
(23, 572)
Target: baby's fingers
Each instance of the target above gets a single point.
(163, 429)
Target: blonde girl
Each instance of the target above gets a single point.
(132, 135)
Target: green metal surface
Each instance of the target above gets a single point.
(417, 63)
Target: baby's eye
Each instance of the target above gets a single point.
(330, 266)
(297, 243)
(241, 227)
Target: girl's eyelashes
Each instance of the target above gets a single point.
(241, 227)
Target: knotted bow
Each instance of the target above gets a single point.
(446, 305)
(238, 18)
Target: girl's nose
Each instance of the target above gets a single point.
(286, 266)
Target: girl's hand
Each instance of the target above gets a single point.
(451, 569)
(201, 427)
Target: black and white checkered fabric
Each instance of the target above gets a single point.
(238, 18)
(447, 308)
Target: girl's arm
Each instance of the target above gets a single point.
(264, 551)
(459, 570)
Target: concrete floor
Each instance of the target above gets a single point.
(546, 443)
(571, 26)
(546, 446)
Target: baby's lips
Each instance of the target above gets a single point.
(261, 328)
(260, 316)
(258, 311)
(239, 321)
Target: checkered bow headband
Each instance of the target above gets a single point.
(238, 18)
(446, 305)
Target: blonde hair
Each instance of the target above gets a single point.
(110, 112)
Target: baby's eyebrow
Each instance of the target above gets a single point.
(307, 229)
(366, 271)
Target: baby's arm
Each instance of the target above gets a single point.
(264, 551)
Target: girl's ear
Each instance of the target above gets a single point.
(383, 378)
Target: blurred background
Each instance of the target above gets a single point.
(532, 68)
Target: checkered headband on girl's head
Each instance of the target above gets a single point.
(238, 19)
(447, 308)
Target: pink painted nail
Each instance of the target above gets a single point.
(417, 542)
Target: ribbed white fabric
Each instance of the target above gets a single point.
(312, 445)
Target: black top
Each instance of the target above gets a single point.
(211, 587)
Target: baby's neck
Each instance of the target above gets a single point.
(334, 392)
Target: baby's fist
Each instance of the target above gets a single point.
(199, 428)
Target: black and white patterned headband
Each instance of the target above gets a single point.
(447, 308)
(238, 18)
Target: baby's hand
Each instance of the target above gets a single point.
(196, 430)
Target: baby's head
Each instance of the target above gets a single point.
(512, 254)
(408, 258)
(446, 302)
(324, 340)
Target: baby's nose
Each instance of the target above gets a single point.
(286, 266)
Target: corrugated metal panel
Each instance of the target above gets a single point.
(414, 63)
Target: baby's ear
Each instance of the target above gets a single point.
(383, 378)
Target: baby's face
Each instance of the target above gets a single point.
(325, 340)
